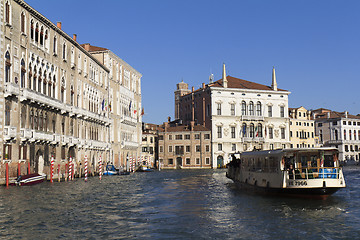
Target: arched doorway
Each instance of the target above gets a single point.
(220, 162)
(178, 162)
(39, 162)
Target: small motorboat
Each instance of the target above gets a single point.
(144, 168)
(111, 170)
(29, 179)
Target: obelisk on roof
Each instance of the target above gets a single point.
(274, 84)
(225, 82)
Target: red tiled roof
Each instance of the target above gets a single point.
(91, 48)
(241, 83)
(334, 114)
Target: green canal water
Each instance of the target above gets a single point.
(194, 204)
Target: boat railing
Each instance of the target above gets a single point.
(314, 173)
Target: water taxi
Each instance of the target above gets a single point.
(301, 171)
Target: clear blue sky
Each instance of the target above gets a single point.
(314, 45)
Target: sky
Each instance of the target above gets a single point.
(313, 45)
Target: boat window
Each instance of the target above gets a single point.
(328, 161)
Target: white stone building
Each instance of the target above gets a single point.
(242, 115)
(340, 130)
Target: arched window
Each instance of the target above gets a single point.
(23, 71)
(72, 95)
(23, 116)
(259, 131)
(37, 33)
(54, 87)
(32, 29)
(32, 125)
(44, 83)
(243, 108)
(46, 39)
(36, 125)
(258, 109)
(41, 121)
(49, 85)
(29, 77)
(7, 66)
(7, 12)
(251, 109)
(22, 22)
(244, 128)
(55, 46)
(42, 36)
(64, 51)
(54, 123)
(34, 80)
(252, 130)
(39, 80)
(45, 127)
(7, 112)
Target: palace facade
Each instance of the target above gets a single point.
(241, 115)
(57, 97)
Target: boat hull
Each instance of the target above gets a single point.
(30, 179)
(321, 192)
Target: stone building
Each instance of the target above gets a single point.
(184, 146)
(124, 106)
(150, 144)
(241, 115)
(340, 130)
(302, 128)
(59, 99)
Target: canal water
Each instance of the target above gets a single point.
(194, 204)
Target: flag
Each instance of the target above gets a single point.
(257, 133)
(110, 106)
(135, 109)
(142, 112)
(244, 130)
(265, 132)
(103, 104)
(130, 106)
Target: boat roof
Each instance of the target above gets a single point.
(288, 150)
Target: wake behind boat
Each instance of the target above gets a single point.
(304, 171)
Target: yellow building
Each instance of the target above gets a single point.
(301, 128)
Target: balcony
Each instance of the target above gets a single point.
(129, 144)
(56, 139)
(39, 136)
(41, 99)
(129, 121)
(253, 139)
(9, 132)
(11, 89)
(25, 134)
(252, 118)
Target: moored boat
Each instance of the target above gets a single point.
(29, 179)
(110, 170)
(313, 172)
(144, 168)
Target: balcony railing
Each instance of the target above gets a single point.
(25, 134)
(9, 132)
(11, 89)
(252, 118)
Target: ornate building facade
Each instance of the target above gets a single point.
(241, 115)
(124, 106)
(57, 98)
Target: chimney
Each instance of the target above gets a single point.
(346, 114)
(192, 124)
(328, 114)
(193, 89)
(74, 37)
(58, 24)
(86, 46)
(225, 82)
(169, 119)
(203, 85)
